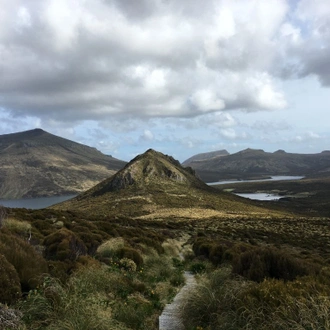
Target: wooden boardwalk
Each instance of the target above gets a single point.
(170, 317)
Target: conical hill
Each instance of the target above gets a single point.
(151, 170)
(154, 185)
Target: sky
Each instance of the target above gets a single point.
(181, 77)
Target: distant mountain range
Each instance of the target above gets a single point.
(252, 163)
(36, 163)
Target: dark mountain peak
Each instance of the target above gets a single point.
(251, 151)
(280, 152)
(38, 131)
(19, 136)
(151, 168)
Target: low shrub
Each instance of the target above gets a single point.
(177, 279)
(132, 254)
(61, 269)
(216, 254)
(43, 226)
(127, 264)
(64, 244)
(260, 263)
(10, 289)
(197, 267)
(28, 263)
(202, 246)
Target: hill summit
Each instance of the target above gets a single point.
(154, 185)
(36, 163)
(147, 171)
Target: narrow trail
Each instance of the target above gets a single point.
(170, 317)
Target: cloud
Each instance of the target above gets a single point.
(232, 134)
(116, 61)
(270, 127)
(147, 136)
(307, 136)
(306, 41)
(96, 60)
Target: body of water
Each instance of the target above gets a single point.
(260, 196)
(273, 178)
(34, 203)
(42, 202)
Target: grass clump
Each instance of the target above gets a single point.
(22, 228)
(110, 248)
(81, 303)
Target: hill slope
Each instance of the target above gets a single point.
(35, 163)
(252, 163)
(156, 186)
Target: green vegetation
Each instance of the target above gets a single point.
(113, 260)
(84, 274)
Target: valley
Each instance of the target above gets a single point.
(114, 256)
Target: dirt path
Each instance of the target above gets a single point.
(170, 317)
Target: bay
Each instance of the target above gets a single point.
(34, 203)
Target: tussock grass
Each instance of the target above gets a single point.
(114, 296)
(224, 301)
(172, 247)
(111, 247)
(16, 226)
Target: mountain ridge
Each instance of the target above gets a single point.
(256, 163)
(35, 163)
(206, 155)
